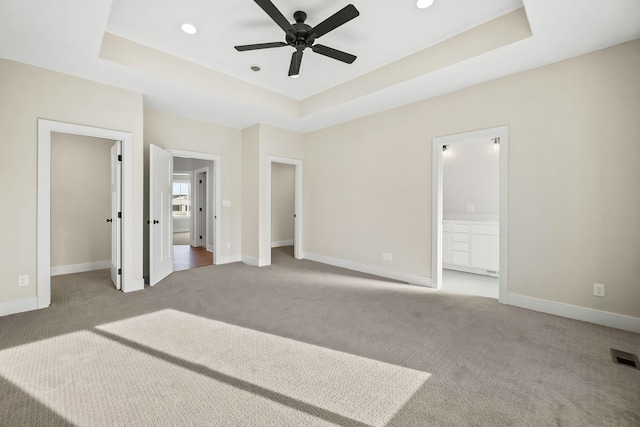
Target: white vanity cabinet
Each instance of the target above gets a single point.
(470, 246)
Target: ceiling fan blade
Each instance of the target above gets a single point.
(275, 14)
(259, 46)
(334, 53)
(296, 60)
(342, 16)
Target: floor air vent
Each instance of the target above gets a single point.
(624, 358)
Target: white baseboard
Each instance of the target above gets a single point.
(605, 318)
(181, 230)
(18, 306)
(249, 260)
(229, 259)
(412, 279)
(79, 268)
(281, 243)
(210, 248)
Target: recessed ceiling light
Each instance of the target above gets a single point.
(189, 28)
(423, 4)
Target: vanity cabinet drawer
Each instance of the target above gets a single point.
(460, 237)
(459, 246)
(460, 228)
(491, 230)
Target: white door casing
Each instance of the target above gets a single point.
(43, 250)
(501, 132)
(160, 217)
(214, 199)
(116, 209)
(298, 252)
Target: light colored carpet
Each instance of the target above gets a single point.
(183, 238)
(300, 344)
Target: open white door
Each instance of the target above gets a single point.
(116, 214)
(160, 221)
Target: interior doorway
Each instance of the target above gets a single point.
(195, 209)
(469, 245)
(45, 130)
(86, 189)
(470, 182)
(284, 208)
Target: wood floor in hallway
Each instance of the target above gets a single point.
(186, 257)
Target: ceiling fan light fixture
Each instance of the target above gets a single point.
(189, 28)
(423, 4)
(294, 76)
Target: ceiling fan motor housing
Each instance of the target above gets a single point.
(301, 37)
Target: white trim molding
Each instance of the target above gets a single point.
(281, 243)
(604, 318)
(230, 259)
(18, 306)
(502, 133)
(412, 279)
(298, 240)
(249, 260)
(79, 268)
(215, 205)
(43, 248)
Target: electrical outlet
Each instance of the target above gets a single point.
(598, 290)
(384, 256)
(471, 208)
(23, 280)
(389, 256)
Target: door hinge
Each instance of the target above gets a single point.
(120, 271)
(119, 157)
(120, 215)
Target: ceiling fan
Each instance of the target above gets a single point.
(301, 36)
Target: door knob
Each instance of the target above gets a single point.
(155, 221)
(110, 220)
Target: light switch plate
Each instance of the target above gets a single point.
(226, 203)
(471, 208)
(598, 289)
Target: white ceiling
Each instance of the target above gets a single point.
(384, 32)
(66, 36)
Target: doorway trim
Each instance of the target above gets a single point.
(298, 252)
(437, 143)
(43, 241)
(217, 177)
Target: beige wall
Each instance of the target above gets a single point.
(251, 192)
(168, 131)
(80, 199)
(282, 197)
(470, 176)
(29, 93)
(574, 169)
